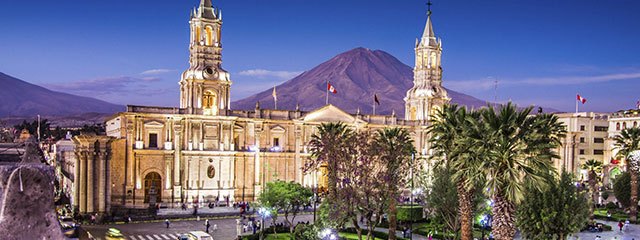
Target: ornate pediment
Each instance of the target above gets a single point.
(330, 113)
(278, 129)
(153, 123)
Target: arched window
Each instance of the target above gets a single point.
(209, 32)
(412, 113)
(197, 40)
(624, 125)
(635, 124)
(617, 126)
(433, 60)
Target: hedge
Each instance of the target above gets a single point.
(407, 213)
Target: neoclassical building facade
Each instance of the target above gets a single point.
(205, 150)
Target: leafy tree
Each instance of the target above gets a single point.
(454, 131)
(594, 168)
(443, 199)
(329, 148)
(362, 185)
(521, 149)
(553, 212)
(394, 147)
(626, 143)
(622, 189)
(32, 127)
(286, 197)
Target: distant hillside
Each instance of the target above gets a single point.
(356, 74)
(20, 98)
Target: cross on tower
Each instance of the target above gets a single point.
(429, 7)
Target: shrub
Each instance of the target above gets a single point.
(622, 189)
(305, 232)
(381, 235)
(408, 213)
(611, 206)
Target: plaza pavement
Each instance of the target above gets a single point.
(633, 232)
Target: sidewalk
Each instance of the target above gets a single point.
(201, 211)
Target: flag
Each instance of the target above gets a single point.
(275, 96)
(375, 99)
(331, 88)
(581, 99)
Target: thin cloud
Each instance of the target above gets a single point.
(489, 83)
(108, 85)
(156, 71)
(262, 73)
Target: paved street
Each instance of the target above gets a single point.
(633, 232)
(157, 230)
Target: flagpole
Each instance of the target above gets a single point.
(576, 103)
(327, 93)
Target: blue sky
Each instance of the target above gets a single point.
(132, 52)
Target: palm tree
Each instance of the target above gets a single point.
(328, 147)
(395, 148)
(594, 168)
(627, 142)
(521, 150)
(452, 131)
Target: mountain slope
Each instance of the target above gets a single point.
(20, 98)
(356, 74)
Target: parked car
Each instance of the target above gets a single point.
(199, 235)
(69, 227)
(114, 234)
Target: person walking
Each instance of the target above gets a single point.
(166, 221)
(207, 225)
(620, 225)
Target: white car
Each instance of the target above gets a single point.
(199, 235)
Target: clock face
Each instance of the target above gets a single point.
(211, 172)
(209, 70)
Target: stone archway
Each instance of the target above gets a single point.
(152, 188)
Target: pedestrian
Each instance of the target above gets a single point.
(620, 225)
(626, 224)
(215, 227)
(207, 225)
(166, 221)
(608, 215)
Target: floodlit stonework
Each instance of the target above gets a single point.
(204, 150)
(427, 94)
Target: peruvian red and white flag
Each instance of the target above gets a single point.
(331, 88)
(581, 99)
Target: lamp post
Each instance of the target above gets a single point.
(315, 199)
(327, 234)
(264, 213)
(413, 156)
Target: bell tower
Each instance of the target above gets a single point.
(427, 93)
(204, 86)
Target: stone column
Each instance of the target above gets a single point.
(82, 184)
(102, 178)
(107, 164)
(130, 182)
(90, 183)
(76, 180)
(176, 153)
(297, 159)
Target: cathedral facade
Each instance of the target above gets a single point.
(205, 150)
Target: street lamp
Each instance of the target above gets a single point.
(327, 234)
(264, 213)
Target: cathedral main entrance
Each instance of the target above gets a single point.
(152, 188)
